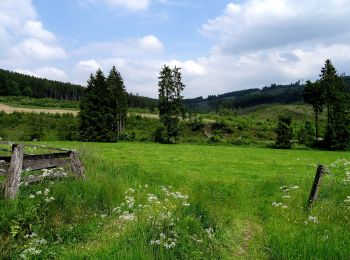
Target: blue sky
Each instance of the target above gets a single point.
(220, 45)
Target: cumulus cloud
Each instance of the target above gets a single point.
(150, 42)
(254, 25)
(23, 37)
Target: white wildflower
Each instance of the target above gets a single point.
(277, 204)
(313, 219)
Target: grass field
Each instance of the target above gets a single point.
(245, 203)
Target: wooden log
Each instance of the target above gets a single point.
(44, 161)
(76, 165)
(13, 178)
(321, 170)
(44, 164)
(38, 178)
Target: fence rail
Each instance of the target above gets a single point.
(12, 166)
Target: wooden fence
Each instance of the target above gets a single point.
(12, 166)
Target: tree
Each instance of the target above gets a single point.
(337, 135)
(119, 100)
(170, 102)
(314, 95)
(306, 134)
(95, 112)
(284, 132)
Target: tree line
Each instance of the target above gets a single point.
(17, 84)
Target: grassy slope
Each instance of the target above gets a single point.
(229, 188)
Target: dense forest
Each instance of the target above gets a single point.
(17, 84)
(281, 94)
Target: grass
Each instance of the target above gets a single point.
(230, 191)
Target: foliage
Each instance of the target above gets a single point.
(20, 85)
(103, 109)
(170, 102)
(284, 132)
(44, 127)
(17, 84)
(337, 135)
(118, 101)
(315, 96)
(306, 134)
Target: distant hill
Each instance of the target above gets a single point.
(18, 84)
(274, 94)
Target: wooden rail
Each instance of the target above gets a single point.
(12, 166)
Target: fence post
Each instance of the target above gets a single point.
(13, 177)
(76, 165)
(321, 170)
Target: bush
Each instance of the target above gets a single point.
(284, 132)
(160, 134)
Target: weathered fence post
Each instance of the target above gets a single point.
(13, 177)
(321, 170)
(76, 165)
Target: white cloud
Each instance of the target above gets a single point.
(33, 48)
(23, 38)
(133, 5)
(34, 29)
(263, 24)
(45, 72)
(130, 4)
(150, 42)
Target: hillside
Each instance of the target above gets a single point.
(17, 84)
(274, 94)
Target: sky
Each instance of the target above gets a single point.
(220, 46)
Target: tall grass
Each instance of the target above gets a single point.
(228, 212)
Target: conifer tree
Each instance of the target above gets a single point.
(337, 134)
(95, 112)
(119, 101)
(315, 96)
(170, 102)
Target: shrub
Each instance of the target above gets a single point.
(284, 132)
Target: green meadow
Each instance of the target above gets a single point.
(153, 201)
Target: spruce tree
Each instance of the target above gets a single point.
(337, 135)
(170, 102)
(118, 99)
(95, 112)
(315, 96)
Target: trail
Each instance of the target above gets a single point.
(9, 109)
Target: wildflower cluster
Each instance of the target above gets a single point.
(340, 167)
(33, 246)
(311, 219)
(287, 190)
(53, 173)
(160, 211)
(42, 194)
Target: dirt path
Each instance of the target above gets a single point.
(9, 109)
